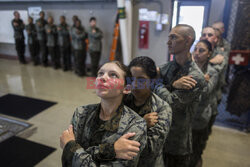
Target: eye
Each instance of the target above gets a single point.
(99, 73)
(114, 75)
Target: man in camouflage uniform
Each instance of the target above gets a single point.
(181, 70)
(64, 43)
(78, 36)
(41, 36)
(94, 138)
(95, 45)
(51, 32)
(32, 41)
(222, 42)
(18, 27)
(218, 61)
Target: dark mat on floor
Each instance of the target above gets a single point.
(22, 107)
(19, 152)
(226, 119)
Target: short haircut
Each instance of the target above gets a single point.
(147, 64)
(42, 12)
(63, 17)
(15, 12)
(92, 19)
(208, 44)
(31, 18)
(189, 31)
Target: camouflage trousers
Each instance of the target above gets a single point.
(177, 160)
(199, 143)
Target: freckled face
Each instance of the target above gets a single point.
(110, 81)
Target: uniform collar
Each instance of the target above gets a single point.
(111, 125)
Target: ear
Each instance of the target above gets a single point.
(127, 89)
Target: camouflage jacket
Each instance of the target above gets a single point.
(18, 30)
(152, 155)
(63, 35)
(95, 40)
(89, 147)
(203, 111)
(225, 47)
(78, 36)
(182, 102)
(52, 35)
(41, 34)
(31, 31)
(221, 69)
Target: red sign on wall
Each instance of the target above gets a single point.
(143, 34)
(239, 57)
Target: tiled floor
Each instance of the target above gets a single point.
(226, 148)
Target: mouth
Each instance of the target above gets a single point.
(100, 86)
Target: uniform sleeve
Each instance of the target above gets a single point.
(98, 34)
(212, 81)
(39, 28)
(75, 155)
(156, 135)
(177, 97)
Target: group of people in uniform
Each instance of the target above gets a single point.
(163, 117)
(60, 42)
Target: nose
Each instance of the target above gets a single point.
(104, 78)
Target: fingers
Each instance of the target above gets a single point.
(128, 135)
(134, 144)
(70, 128)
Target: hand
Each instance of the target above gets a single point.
(185, 82)
(207, 77)
(67, 136)
(49, 30)
(15, 24)
(78, 31)
(125, 148)
(218, 59)
(151, 119)
(59, 28)
(38, 23)
(93, 30)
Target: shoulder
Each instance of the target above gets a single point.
(131, 116)
(85, 110)
(160, 104)
(165, 67)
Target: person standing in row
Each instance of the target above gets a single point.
(41, 36)
(52, 42)
(18, 27)
(95, 45)
(64, 43)
(32, 41)
(78, 36)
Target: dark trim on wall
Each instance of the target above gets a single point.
(226, 16)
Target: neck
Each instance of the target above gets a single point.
(141, 100)
(201, 64)
(108, 107)
(182, 57)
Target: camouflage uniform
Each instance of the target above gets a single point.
(52, 44)
(202, 116)
(95, 138)
(64, 44)
(179, 141)
(152, 155)
(19, 38)
(95, 48)
(220, 68)
(79, 47)
(41, 36)
(32, 42)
